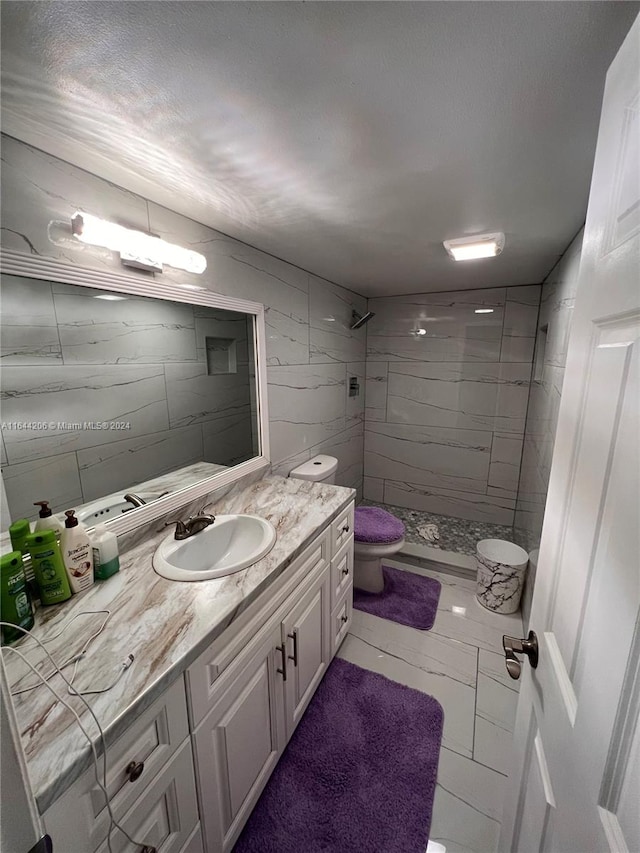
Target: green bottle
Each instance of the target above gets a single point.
(18, 532)
(51, 576)
(14, 597)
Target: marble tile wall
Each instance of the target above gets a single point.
(556, 309)
(447, 385)
(311, 352)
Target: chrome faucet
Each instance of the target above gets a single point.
(185, 529)
(134, 499)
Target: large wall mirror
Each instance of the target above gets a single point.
(119, 400)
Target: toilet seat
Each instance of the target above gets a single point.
(377, 534)
(376, 526)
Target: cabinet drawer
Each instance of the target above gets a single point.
(341, 571)
(341, 529)
(203, 674)
(152, 740)
(165, 814)
(341, 620)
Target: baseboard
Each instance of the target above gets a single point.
(437, 560)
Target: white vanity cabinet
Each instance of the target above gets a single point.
(256, 699)
(151, 785)
(209, 751)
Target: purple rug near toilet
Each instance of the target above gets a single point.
(407, 598)
(358, 775)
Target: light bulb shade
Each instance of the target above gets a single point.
(136, 248)
(472, 248)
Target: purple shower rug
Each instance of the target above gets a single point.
(407, 598)
(358, 775)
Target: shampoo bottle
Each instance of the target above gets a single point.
(76, 553)
(105, 552)
(46, 519)
(48, 567)
(18, 533)
(14, 597)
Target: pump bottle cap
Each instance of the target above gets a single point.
(71, 520)
(45, 510)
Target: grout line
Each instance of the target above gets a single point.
(475, 705)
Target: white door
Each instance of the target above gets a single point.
(575, 783)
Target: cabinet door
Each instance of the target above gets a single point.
(164, 815)
(238, 743)
(306, 635)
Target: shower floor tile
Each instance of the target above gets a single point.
(456, 534)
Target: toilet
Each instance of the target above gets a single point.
(377, 535)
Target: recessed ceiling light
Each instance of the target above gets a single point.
(110, 297)
(484, 311)
(472, 248)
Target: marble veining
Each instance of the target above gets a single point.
(499, 584)
(447, 395)
(164, 624)
(553, 326)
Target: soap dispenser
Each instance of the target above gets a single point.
(46, 519)
(77, 553)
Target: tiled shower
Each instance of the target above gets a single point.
(447, 389)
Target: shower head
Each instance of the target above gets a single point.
(357, 320)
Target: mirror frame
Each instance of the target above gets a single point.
(51, 269)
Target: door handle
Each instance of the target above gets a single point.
(294, 656)
(513, 645)
(283, 652)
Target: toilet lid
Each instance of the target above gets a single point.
(376, 525)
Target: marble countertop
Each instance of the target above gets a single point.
(165, 624)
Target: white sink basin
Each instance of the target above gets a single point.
(231, 543)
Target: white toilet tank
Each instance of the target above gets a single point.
(320, 469)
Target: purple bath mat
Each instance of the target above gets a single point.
(358, 775)
(407, 598)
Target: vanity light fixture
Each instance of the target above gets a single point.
(137, 249)
(472, 248)
(484, 311)
(110, 297)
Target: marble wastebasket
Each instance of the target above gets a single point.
(501, 569)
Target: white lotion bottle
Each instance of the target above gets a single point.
(47, 520)
(106, 561)
(77, 553)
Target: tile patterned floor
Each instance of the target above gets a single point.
(456, 534)
(460, 663)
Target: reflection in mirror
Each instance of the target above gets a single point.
(107, 394)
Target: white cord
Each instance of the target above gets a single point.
(77, 658)
(102, 785)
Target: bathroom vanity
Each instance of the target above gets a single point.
(223, 672)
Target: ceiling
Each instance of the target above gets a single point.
(349, 138)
